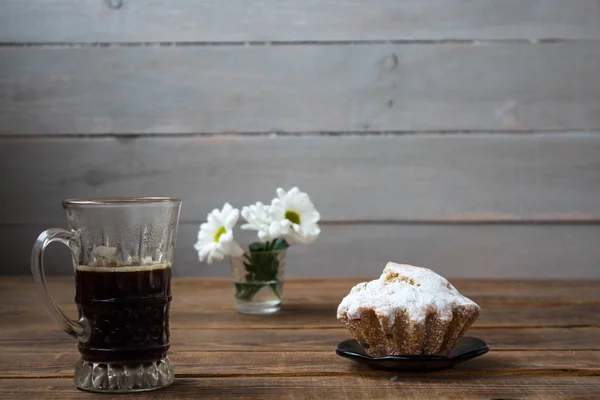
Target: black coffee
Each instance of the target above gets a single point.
(128, 312)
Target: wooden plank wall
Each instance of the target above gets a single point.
(459, 135)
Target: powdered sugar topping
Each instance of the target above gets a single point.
(403, 288)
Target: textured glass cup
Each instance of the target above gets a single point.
(122, 252)
(258, 281)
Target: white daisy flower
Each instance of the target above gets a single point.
(259, 219)
(296, 207)
(215, 238)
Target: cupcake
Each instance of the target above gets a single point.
(408, 310)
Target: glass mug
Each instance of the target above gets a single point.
(122, 252)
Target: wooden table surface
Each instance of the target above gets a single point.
(544, 338)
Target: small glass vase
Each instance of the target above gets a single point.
(258, 281)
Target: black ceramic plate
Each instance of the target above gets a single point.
(465, 349)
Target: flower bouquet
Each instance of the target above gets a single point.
(258, 270)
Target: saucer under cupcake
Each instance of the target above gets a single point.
(466, 349)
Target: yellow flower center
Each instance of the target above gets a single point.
(221, 231)
(292, 216)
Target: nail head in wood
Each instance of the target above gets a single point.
(114, 4)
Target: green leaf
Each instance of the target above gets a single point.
(262, 267)
(246, 291)
(257, 246)
(273, 287)
(280, 244)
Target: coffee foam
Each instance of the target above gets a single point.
(122, 268)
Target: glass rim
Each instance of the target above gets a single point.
(118, 201)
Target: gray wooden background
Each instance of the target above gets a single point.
(462, 135)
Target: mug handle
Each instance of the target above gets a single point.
(76, 328)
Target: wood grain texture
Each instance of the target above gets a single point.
(307, 311)
(432, 177)
(295, 20)
(47, 338)
(214, 291)
(298, 361)
(307, 88)
(486, 251)
(320, 316)
(479, 204)
(414, 386)
(204, 364)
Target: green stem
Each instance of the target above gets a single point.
(245, 291)
(274, 289)
(262, 267)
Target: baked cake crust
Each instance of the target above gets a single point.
(408, 310)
